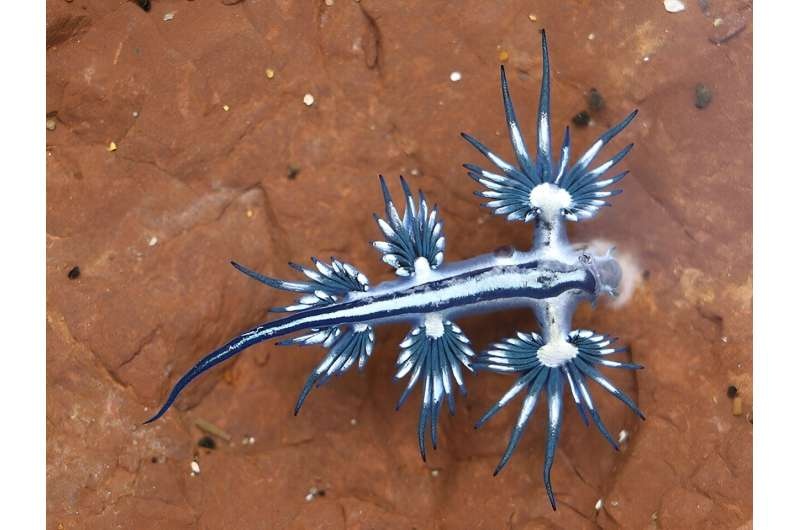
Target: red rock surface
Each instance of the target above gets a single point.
(190, 186)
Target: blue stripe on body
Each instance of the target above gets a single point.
(466, 289)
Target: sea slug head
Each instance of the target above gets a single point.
(605, 269)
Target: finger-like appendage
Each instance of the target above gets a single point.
(544, 159)
(520, 150)
(513, 391)
(587, 369)
(555, 391)
(525, 414)
(587, 399)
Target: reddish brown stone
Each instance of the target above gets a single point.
(153, 224)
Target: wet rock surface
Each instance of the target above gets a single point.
(206, 143)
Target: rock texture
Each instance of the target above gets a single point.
(215, 161)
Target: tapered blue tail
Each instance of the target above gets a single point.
(245, 340)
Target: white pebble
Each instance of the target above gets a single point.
(646, 59)
(353, 421)
(434, 472)
(591, 36)
(195, 467)
(674, 6)
(455, 77)
(623, 435)
(598, 505)
(153, 241)
(169, 16)
(308, 99)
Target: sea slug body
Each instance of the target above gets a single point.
(339, 309)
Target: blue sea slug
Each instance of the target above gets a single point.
(338, 309)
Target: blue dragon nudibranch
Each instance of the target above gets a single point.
(339, 309)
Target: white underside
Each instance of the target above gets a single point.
(434, 326)
(422, 268)
(555, 354)
(550, 199)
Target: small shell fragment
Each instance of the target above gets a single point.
(169, 16)
(455, 77)
(598, 505)
(270, 73)
(308, 100)
(674, 6)
(111, 147)
(51, 124)
(623, 435)
(153, 241)
(532, 17)
(737, 406)
(195, 467)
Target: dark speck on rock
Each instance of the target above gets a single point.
(702, 96)
(207, 442)
(293, 172)
(74, 273)
(581, 119)
(732, 392)
(595, 100)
